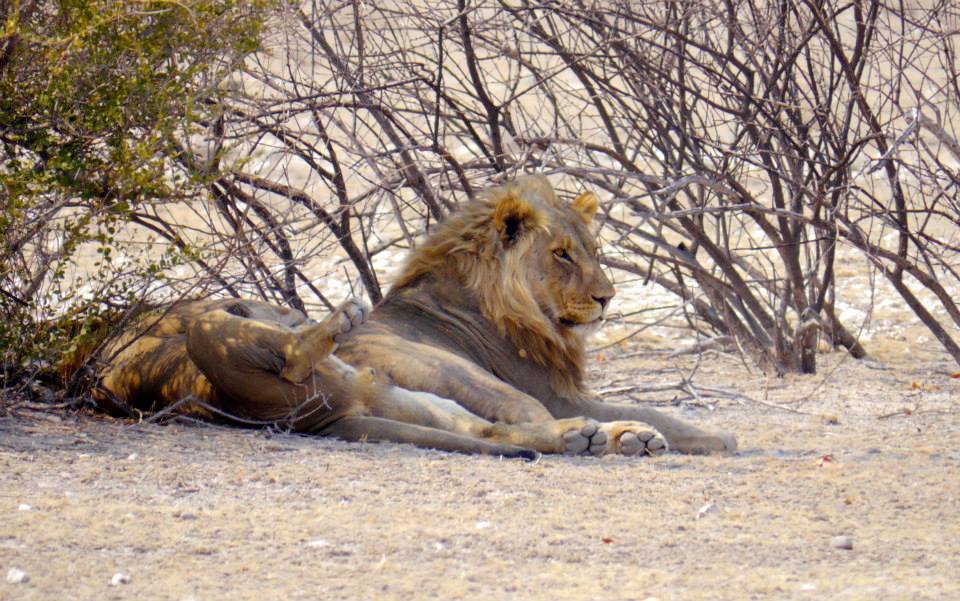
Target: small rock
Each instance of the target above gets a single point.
(842, 542)
(15, 576)
(120, 578)
(23, 507)
(318, 542)
(481, 525)
(132, 457)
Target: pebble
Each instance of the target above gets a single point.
(120, 578)
(15, 576)
(842, 542)
(318, 542)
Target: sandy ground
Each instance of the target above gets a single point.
(865, 450)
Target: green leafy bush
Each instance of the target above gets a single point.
(97, 100)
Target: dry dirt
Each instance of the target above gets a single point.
(865, 450)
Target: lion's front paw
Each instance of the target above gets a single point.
(633, 438)
(587, 439)
(641, 442)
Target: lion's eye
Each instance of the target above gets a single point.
(561, 253)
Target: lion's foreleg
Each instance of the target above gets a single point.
(420, 366)
(680, 435)
(575, 435)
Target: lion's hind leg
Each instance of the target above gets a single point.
(314, 342)
(246, 361)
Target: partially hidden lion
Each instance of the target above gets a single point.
(478, 347)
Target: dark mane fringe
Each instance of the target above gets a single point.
(85, 338)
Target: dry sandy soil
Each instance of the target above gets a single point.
(865, 450)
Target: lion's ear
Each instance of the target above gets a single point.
(586, 206)
(535, 188)
(513, 217)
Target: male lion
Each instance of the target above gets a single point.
(478, 347)
(492, 309)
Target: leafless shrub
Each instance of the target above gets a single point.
(741, 145)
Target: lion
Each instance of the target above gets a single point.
(478, 347)
(492, 311)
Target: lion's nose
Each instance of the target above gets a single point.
(603, 300)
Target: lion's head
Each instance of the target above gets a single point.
(530, 261)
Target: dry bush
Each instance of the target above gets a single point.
(739, 145)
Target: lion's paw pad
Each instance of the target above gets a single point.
(644, 442)
(588, 439)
